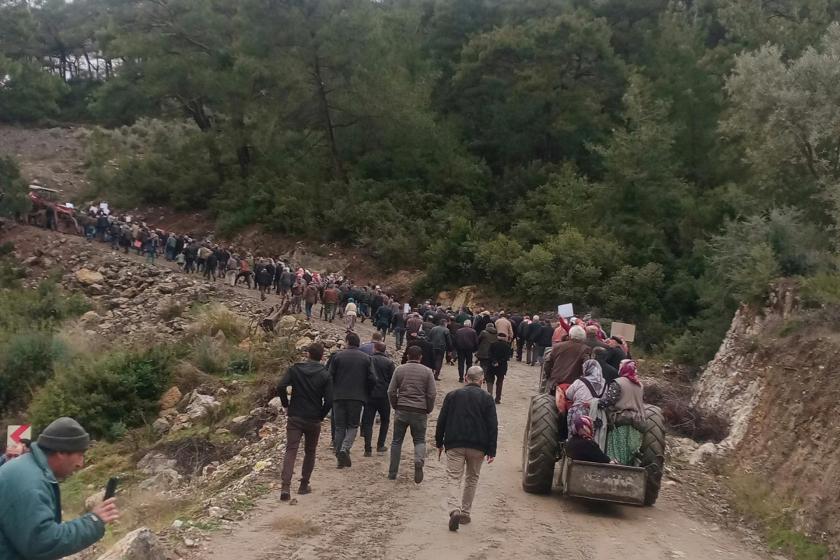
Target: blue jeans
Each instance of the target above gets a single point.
(402, 421)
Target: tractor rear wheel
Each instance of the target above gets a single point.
(653, 452)
(539, 447)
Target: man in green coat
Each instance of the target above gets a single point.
(30, 500)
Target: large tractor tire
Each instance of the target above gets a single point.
(539, 448)
(653, 452)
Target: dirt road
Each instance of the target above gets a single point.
(359, 513)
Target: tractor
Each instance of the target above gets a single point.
(49, 213)
(543, 447)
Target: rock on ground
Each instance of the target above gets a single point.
(141, 544)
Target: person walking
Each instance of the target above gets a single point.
(353, 379)
(499, 357)
(330, 300)
(441, 342)
(412, 394)
(531, 335)
(311, 401)
(31, 527)
(398, 328)
(466, 342)
(310, 298)
(382, 319)
(467, 429)
(350, 314)
(485, 340)
(378, 402)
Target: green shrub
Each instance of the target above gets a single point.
(212, 319)
(27, 360)
(107, 396)
(43, 307)
(821, 289)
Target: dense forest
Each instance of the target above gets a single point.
(658, 161)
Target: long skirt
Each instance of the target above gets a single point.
(623, 442)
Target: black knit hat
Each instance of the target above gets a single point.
(64, 434)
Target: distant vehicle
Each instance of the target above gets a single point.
(47, 212)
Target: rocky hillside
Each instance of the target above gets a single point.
(774, 379)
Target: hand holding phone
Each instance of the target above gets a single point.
(111, 487)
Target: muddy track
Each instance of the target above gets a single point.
(359, 513)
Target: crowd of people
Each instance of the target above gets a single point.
(590, 375)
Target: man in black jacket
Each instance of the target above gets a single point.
(467, 428)
(311, 401)
(428, 358)
(531, 334)
(466, 342)
(353, 379)
(378, 400)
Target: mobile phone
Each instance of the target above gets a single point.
(111, 488)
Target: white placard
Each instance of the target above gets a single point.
(406, 308)
(566, 310)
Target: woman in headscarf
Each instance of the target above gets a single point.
(581, 446)
(625, 400)
(585, 394)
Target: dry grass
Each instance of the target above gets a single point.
(295, 527)
(215, 318)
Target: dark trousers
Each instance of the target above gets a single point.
(403, 421)
(439, 353)
(399, 337)
(465, 362)
(383, 407)
(346, 416)
(495, 375)
(520, 346)
(297, 428)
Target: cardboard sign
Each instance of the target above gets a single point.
(15, 433)
(566, 310)
(624, 330)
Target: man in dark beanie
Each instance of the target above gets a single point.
(30, 508)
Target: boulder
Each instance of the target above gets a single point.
(141, 544)
(87, 277)
(170, 398)
(90, 317)
(155, 462)
(201, 406)
(94, 500)
(302, 343)
(276, 404)
(701, 453)
(161, 426)
(165, 479)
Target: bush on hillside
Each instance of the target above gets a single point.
(107, 396)
(27, 361)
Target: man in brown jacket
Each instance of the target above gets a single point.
(412, 395)
(565, 362)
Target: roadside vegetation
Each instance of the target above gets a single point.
(659, 164)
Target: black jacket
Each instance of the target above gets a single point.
(581, 449)
(615, 355)
(544, 336)
(428, 358)
(468, 419)
(353, 375)
(610, 373)
(311, 390)
(522, 330)
(383, 317)
(533, 331)
(398, 321)
(466, 339)
(384, 367)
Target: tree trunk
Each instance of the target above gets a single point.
(338, 168)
